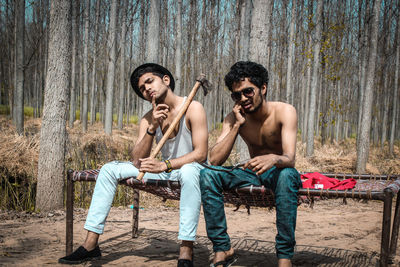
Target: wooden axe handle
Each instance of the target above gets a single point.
(173, 125)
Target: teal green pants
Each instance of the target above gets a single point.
(285, 184)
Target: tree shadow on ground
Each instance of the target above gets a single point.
(157, 247)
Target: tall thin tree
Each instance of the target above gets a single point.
(245, 22)
(395, 91)
(93, 90)
(314, 81)
(363, 144)
(84, 115)
(291, 47)
(152, 41)
(112, 46)
(53, 135)
(178, 57)
(74, 52)
(18, 109)
(122, 66)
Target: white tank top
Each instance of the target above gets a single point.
(179, 145)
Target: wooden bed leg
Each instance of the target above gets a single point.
(135, 213)
(395, 231)
(387, 214)
(70, 213)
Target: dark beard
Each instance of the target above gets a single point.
(258, 106)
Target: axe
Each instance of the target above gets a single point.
(200, 81)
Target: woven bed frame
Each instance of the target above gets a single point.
(369, 187)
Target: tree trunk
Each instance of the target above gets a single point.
(289, 79)
(363, 144)
(84, 114)
(395, 92)
(152, 42)
(363, 59)
(18, 115)
(314, 81)
(93, 91)
(153, 38)
(72, 106)
(122, 67)
(112, 46)
(178, 57)
(51, 165)
(258, 37)
(245, 29)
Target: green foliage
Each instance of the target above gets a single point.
(4, 110)
(217, 126)
(28, 112)
(133, 119)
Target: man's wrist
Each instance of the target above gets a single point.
(169, 166)
(151, 132)
(237, 125)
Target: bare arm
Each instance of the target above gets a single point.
(149, 122)
(196, 118)
(288, 118)
(144, 142)
(230, 129)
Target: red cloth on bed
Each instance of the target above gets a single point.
(316, 180)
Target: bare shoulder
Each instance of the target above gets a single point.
(284, 112)
(283, 109)
(195, 108)
(195, 111)
(195, 105)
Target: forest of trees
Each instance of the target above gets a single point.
(337, 62)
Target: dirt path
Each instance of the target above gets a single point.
(330, 234)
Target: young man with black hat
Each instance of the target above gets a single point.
(181, 155)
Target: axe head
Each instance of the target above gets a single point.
(205, 84)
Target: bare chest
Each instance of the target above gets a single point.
(167, 123)
(262, 138)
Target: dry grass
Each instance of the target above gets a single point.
(19, 157)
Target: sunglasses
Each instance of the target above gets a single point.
(247, 92)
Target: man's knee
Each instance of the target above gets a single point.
(289, 174)
(108, 172)
(289, 179)
(190, 173)
(206, 179)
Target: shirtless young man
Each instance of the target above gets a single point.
(269, 129)
(181, 154)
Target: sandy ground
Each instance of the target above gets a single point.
(330, 234)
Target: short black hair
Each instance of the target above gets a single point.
(255, 72)
(156, 69)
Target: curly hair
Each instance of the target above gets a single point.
(256, 73)
(156, 69)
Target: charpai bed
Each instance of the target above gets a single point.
(369, 187)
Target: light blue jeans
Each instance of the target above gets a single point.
(112, 172)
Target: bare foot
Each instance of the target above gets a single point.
(186, 250)
(222, 255)
(284, 263)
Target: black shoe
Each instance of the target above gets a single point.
(185, 263)
(80, 255)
